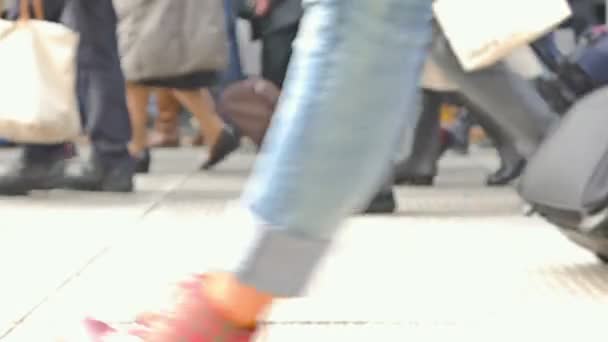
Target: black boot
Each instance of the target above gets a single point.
(420, 167)
(38, 168)
(507, 173)
(511, 162)
(102, 172)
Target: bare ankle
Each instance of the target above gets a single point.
(242, 305)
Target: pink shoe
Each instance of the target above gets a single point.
(192, 319)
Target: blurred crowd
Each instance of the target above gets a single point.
(373, 96)
(125, 119)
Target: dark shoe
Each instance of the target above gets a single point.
(227, 143)
(101, 174)
(506, 174)
(28, 174)
(142, 162)
(383, 203)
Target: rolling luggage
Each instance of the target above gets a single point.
(566, 181)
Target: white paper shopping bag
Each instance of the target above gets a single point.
(38, 102)
(482, 32)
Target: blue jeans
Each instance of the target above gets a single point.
(355, 70)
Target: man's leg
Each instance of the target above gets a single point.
(276, 54)
(235, 70)
(107, 119)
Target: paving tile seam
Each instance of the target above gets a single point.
(96, 257)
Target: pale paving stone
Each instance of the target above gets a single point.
(457, 262)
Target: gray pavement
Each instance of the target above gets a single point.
(457, 261)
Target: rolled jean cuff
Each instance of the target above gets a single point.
(279, 261)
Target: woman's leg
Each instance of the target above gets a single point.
(166, 127)
(222, 139)
(200, 103)
(137, 102)
(276, 53)
(356, 68)
(345, 86)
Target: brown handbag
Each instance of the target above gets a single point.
(250, 104)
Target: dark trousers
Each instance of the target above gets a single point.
(235, 70)
(101, 87)
(276, 53)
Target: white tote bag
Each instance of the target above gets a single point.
(482, 32)
(38, 101)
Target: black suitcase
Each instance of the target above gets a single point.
(566, 181)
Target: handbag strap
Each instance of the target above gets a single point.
(24, 10)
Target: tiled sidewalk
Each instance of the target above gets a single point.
(458, 262)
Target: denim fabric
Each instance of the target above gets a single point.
(355, 70)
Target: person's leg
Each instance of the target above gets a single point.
(235, 70)
(357, 65)
(511, 162)
(200, 103)
(107, 119)
(420, 166)
(52, 10)
(507, 96)
(221, 138)
(137, 102)
(276, 53)
(343, 86)
(138, 97)
(166, 125)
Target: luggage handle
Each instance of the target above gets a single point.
(24, 10)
